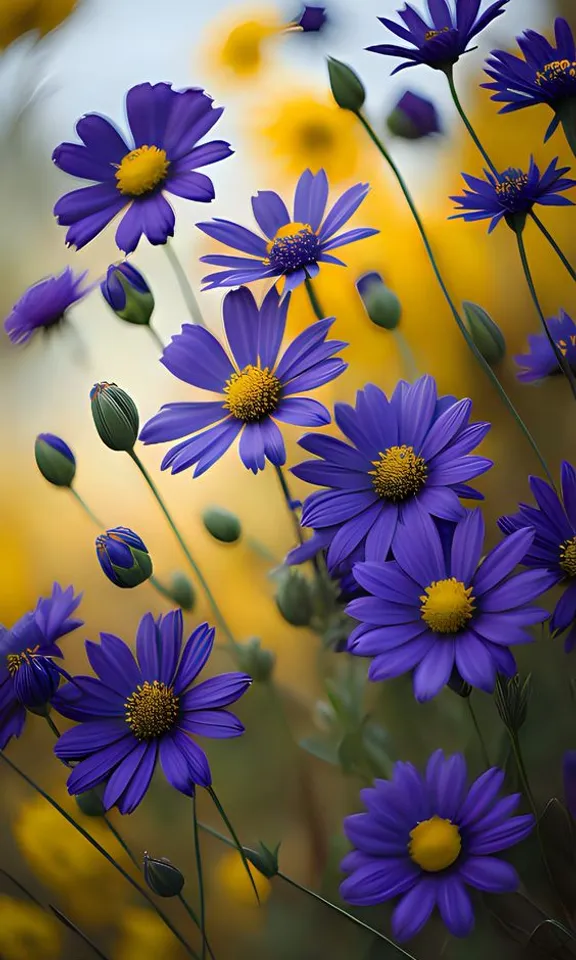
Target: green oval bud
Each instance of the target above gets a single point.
(127, 293)
(183, 592)
(265, 860)
(294, 598)
(381, 304)
(115, 416)
(252, 659)
(54, 459)
(347, 87)
(163, 878)
(485, 333)
(222, 524)
(90, 802)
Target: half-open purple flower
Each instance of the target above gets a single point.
(44, 305)
(541, 361)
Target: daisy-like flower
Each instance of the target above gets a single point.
(139, 711)
(257, 387)
(292, 247)
(406, 453)
(425, 838)
(163, 154)
(513, 193)
(45, 305)
(439, 40)
(436, 607)
(541, 361)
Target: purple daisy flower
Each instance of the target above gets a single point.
(257, 387)
(425, 838)
(162, 155)
(406, 453)
(541, 361)
(139, 711)
(436, 607)
(440, 40)
(513, 193)
(44, 305)
(291, 247)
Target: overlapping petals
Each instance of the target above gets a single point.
(44, 305)
(541, 361)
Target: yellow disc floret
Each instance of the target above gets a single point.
(252, 394)
(435, 844)
(141, 170)
(568, 557)
(152, 710)
(399, 474)
(447, 605)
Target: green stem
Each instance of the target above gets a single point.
(523, 774)
(118, 837)
(66, 922)
(185, 286)
(314, 301)
(450, 77)
(199, 872)
(289, 500)
(483, 747)
(156, 337)
(86, 508)
(554, 245)
(234, 836)
(405, 352)
(52, 726)
(20, 886)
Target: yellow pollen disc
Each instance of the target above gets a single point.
(435, 844)
(252, 394)
(152, 710)
(430, 34)
(399, 474)
(568, 557)
(512, 185)
(556, 70)
(289, 230)
(15, 660)
(141, 170)
(447, 605)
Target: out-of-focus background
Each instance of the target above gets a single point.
(280, 119)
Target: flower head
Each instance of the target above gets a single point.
(541, 361)
(257, 385)
(127, 293)
(414, 117)
(55, 460)
(405, 455)
(311, 18)
(44, 305)
(292, 247)
(123, 557)
(439, 40)
(145, 709)
(162, 155)
(426, 837)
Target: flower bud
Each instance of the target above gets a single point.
(183, 592)
(485, 333)
(126, 291)
(312, 19)
(222, 524)
(252, 659)
(294, 598)
(381, 304)
(54, 459)
(90, 802)
(511, 698)
(115, 416)
(163, 878)
(123, 557)
(265, 860)
(413, 117)
(35, 680)
(347, 87)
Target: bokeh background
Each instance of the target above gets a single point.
(279, 118)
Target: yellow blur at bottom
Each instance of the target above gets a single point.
(144, 935)
(231, 879)
(27, 932)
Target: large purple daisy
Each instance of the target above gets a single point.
(162, 155)
(44, 305)
(139, 711)
(541, 361)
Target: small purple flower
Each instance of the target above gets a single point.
(541, 361)
(163, 155)
(425, 838)
(414, 117)
(140, 711)
(44, 305)
(257, 387)
(291, 247)
(312, 18)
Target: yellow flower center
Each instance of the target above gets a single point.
(430, 34)
(399, 473)
(316, 137)
(568, 557)
(556, 70)
(447, 605)
(252, 394)
(141, 170)
(294, 245)
(152, 710)
(15, 660)
(512, 185)
(435, 844)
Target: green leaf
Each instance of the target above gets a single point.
(321, 748)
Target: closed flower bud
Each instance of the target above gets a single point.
(183, 592)
(115, 416)
(123, 557)
(485, 333)
(91, 803)
(54, 459)
(381, 304)
(163, 878)
(511, 697)
(294, 598)
(347, 87)
(35, 679)
(126, 291)
(265, 860)
(222, 524)
(252, 659)
(312, 19)
(413, 117)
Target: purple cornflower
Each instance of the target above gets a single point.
(139, 711)
(44, 305)
(541, 361)
(291, 247)
(426, 837)
(256, 386)
(163, 155)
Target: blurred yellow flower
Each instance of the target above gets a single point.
(18, 17)
(239, 52)
(144, 935)
(16, 590)
(231, 880)
(27, 932)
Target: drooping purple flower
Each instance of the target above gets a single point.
(312, 18)
(45, 305)
(139, 711)
(257, 385)
(426, 837)
(413, 117)
(541, 361)
(162, 155)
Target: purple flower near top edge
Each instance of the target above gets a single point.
(440, 39)
(139, 711)
(163, 154)
(312, 18)
(432, 609)
(426, 837)
(541, 361)
(292, 247)
(45, 304)
(257, 385)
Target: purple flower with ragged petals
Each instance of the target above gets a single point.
(291, 247)
(141, 710)
(426, 838)
(258, 385)
(541, 361)
(45, 305)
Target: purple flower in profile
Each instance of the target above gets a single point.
(257, 385)
(162, 154)
(513, 193)
(44, 305)
(413, 117)
(425, 838)
(143, 710)
(439, 40)
(541, 361)
(312, 18)
(436, 606)
(292, 247)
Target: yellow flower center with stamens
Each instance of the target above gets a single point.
(141, 170)
(430, 34)
(435, 844)
(294, 245)
(252, 394)
(152, 710)
(512, 185)
(15, 660)
(568, 557)
(399, 473)
(447, 605)
(556, 70)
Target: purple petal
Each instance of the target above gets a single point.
(148, 648)
(123, 774)
(196, 653)
(233, 235)
(216, 692)
(502, 560)
(414, 909)
(490, 875)
(196, 357)
(219, 724)
(138, 785)
(379, 881)
(171, 626)
(191, 186)
(343, 209)
(303, 412)
(434, 670)
(114, 662)
(350, 236)
(88, 738)
(251, 448)
(175, 766)
(241, 322)
(394, 663)
(270, 212)
(274, 448)
(467, 546)
(195, 758)
(175, 420)
(96, 768)
(474, 662)
(455, 905)
(273, 312)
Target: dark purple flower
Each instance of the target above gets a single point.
(426, 837)
(257, 385)
(541, 361)
(312, 18)
(139, 711)
(291, 247)
(162, 155)
(124, 557)
(414, 117)
(432, 609)
(441, 39)
(44, 305)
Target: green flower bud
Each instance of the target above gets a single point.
(252, 659)
(294, 598)
(90, 802)
(382, 305)
(511, 697)
(123, 557)
(265, 860)
(54, 459)
(127, 293)
(115, 416)
(485, 333)
(183, 592)
(347, 87)
(222, 524)
(163, 878)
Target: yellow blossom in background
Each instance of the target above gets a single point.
(16, 591)
(27, 932)
(18, 17)
(231, 881)
(143, 934)
(238, 49)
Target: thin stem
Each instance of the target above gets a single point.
(66, 922)
(289, 501)
(86, 508)
(515, 743)
(554, 245)
(192, 914)
(198, 856)
(482, 742)
(234, 836)
(184, 284)
(118, 837)
(314, 301)
(405, 352)
(21, 887)
(466, 122)
(156, 337)
(53, 726)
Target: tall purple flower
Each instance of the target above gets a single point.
(541, 361)
(45, 305)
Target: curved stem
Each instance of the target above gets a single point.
(405, 352)
(553, 244)
(289, 501)
(199, 872)
(184, 284)
(86, 508)
(234, 836)
(466, 122)
(53, 726)
(313, 298)
(156, 337)
(119, 839)
(483, 747)
(66, 922)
